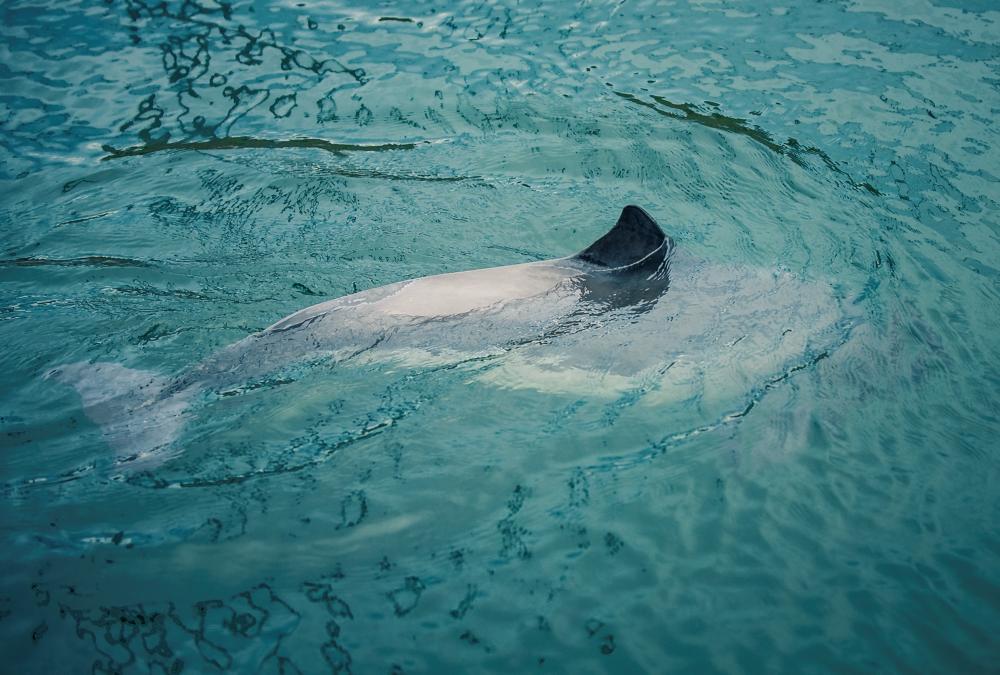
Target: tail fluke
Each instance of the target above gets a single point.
(136, 421)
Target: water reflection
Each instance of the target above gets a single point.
(261, 156)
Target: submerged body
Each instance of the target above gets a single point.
(468, 312)
(593, 322)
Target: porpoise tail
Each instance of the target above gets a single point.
(138, 424)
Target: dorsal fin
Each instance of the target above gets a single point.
(633, 238)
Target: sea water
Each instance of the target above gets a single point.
(178, 175)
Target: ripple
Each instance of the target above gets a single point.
(246, 142)
(741, 500)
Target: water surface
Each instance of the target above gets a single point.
(178, 175)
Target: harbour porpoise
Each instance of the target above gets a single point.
(596, 319)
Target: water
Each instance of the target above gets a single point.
(177, 176)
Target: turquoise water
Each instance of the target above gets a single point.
(177, 176)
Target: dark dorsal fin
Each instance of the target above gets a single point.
(634, 237)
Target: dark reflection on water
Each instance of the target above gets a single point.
(800, 475)
(734, 125)
(243, 142)
(197, 34)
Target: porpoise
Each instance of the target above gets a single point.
(628, 304)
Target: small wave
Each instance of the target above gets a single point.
(250, 143)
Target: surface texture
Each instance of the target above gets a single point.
(175, 176)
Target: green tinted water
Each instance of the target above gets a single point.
(178, 176)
